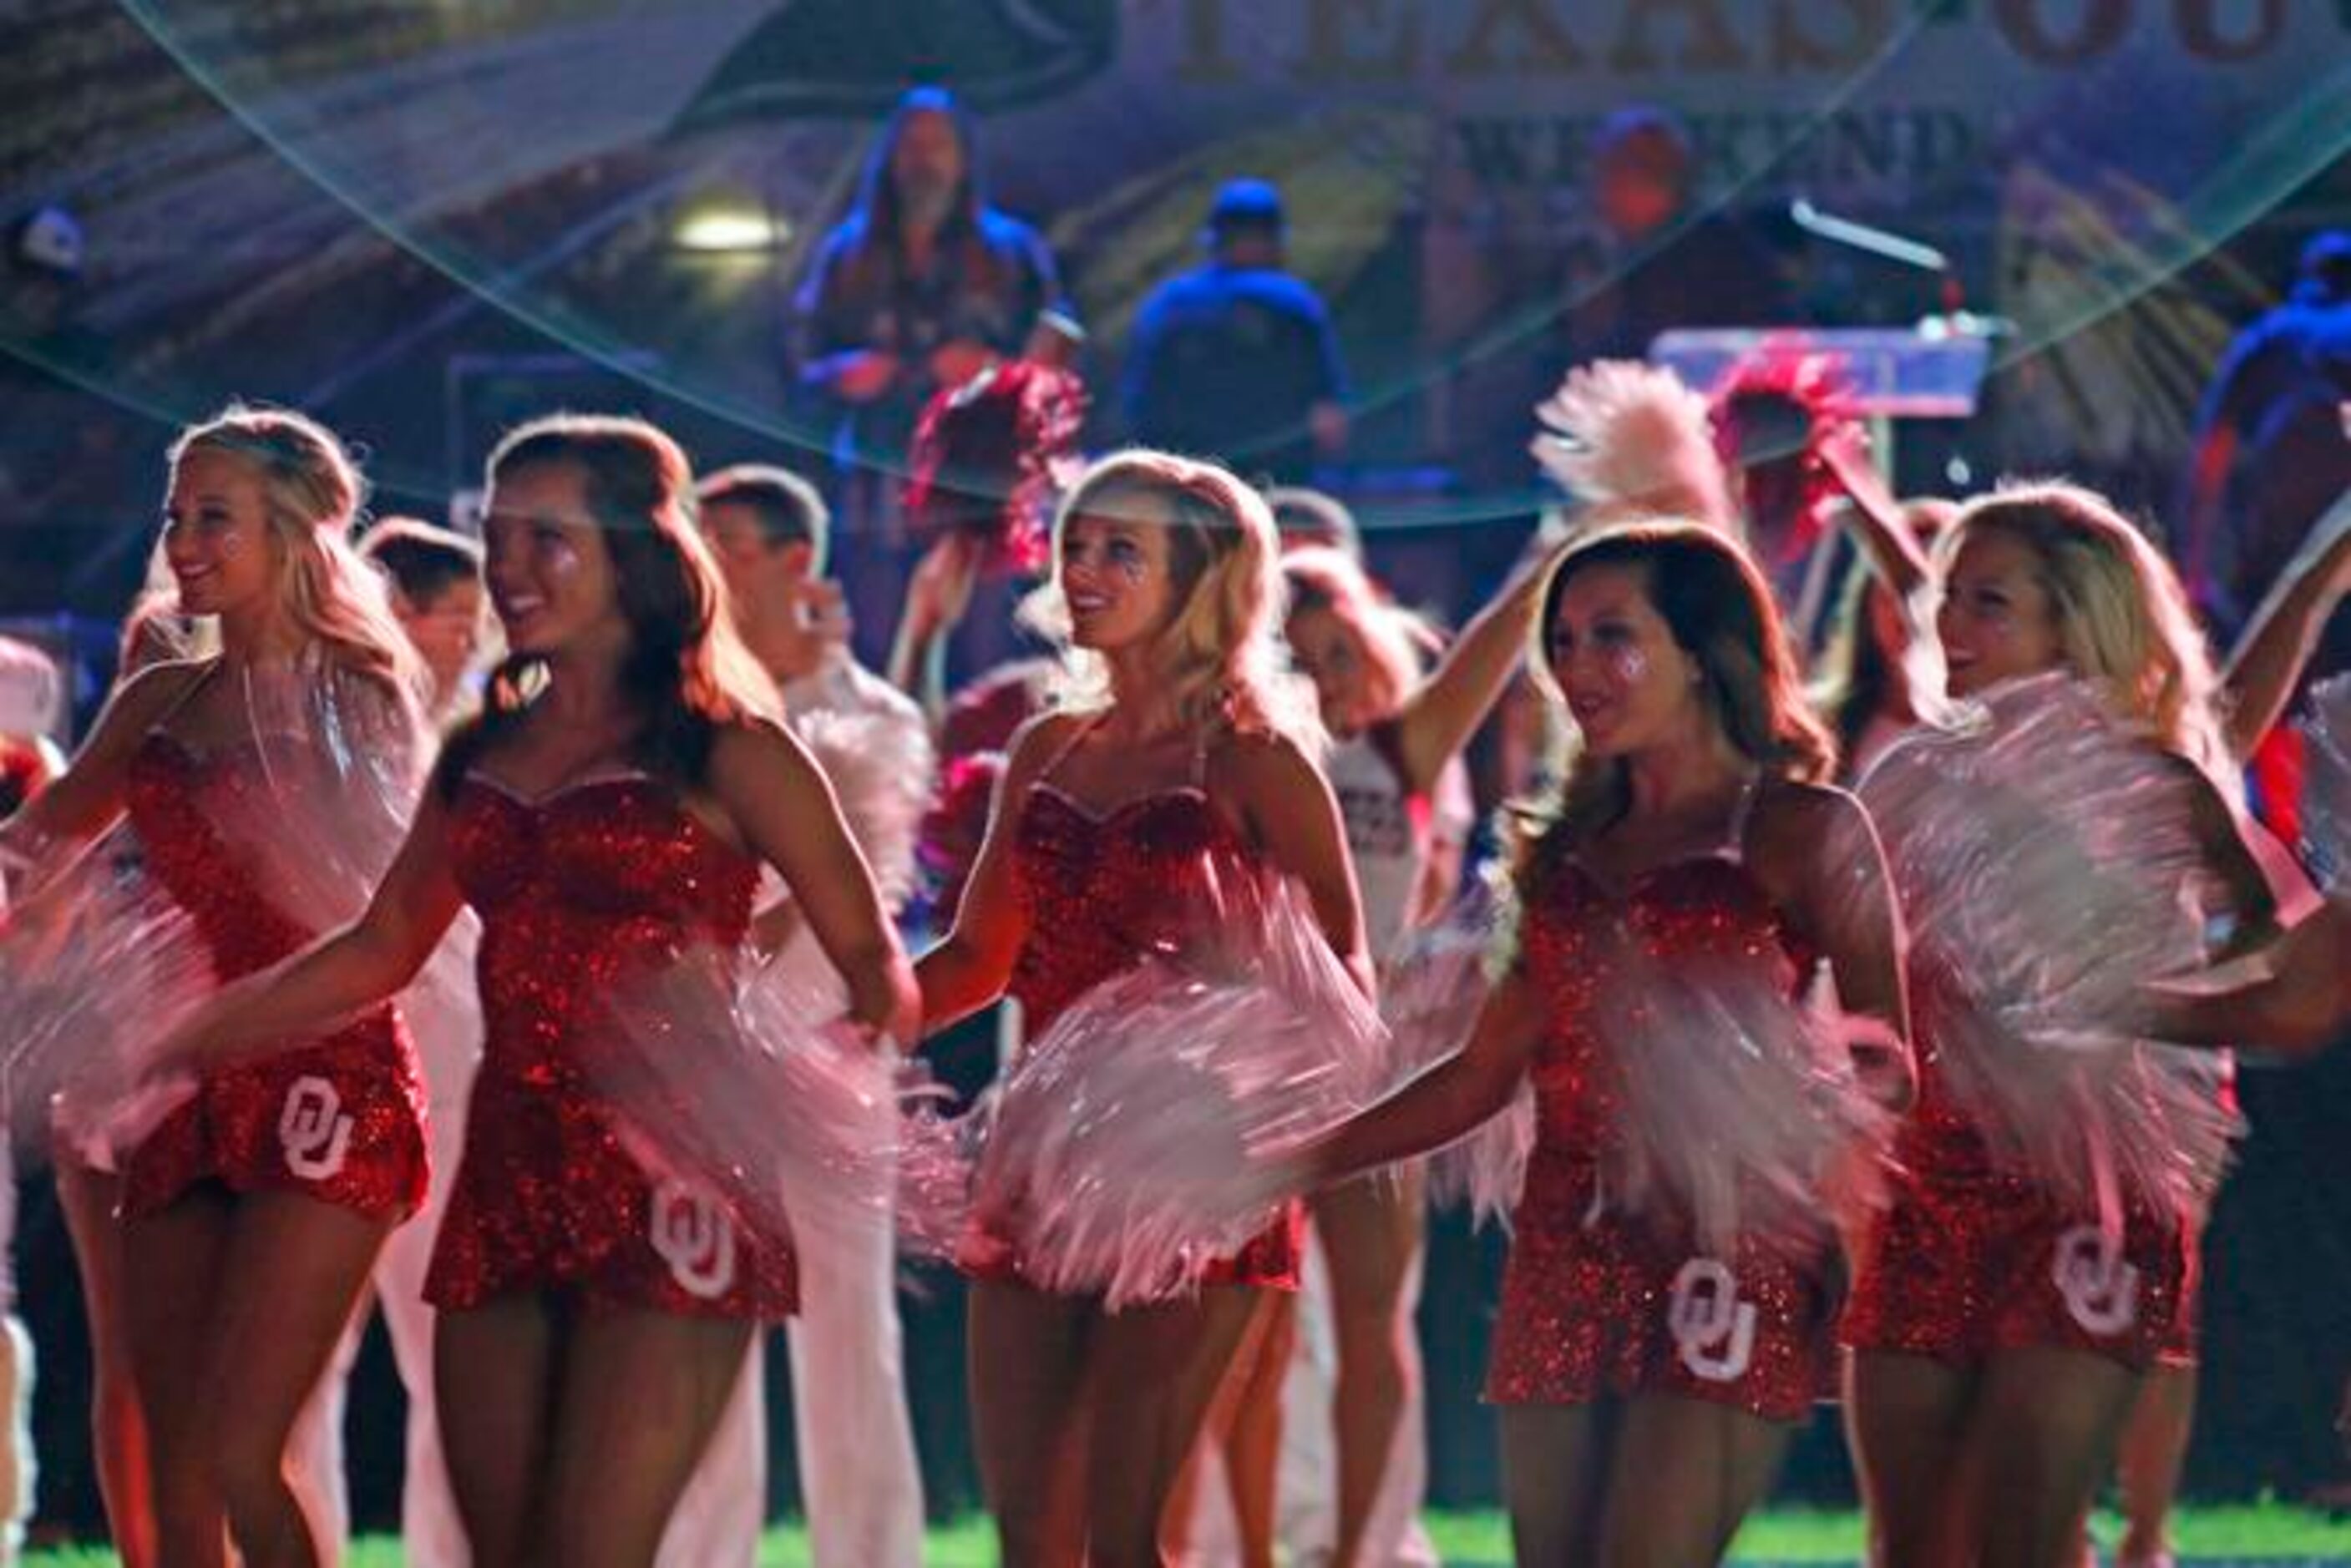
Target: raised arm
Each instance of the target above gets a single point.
(1445, 710)
(370, 959)
(779, 799)
(1875, 518)
(938, 595)
(2267, 663)
(969, 968)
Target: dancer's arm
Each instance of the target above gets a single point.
(2267, 662)
(2296, 1009)
(1441, 714)
(779, 800)
(969, 967)
(1290, 813)
(937, 597)
(1443, 1103)
(1875, 518)
(369, 959)
(1820, 853)
(86, 799)
(2251, 901)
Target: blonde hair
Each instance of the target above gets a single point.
(1220, 655)
(1389, 639)
(312, 491)
(1721, 612)
(2121, 616)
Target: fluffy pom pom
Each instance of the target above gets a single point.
(2048, 862)
(727, 1076)
(1772, 414)
(953, 828)
(1430, 998)
(95, 968)
(1142, 1134)
(1742, 1114)
(879, 761)
(989, 457)
(1624, 436)
(339, 763)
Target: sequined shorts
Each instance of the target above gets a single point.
(1271, 1261)
(1958, 1269)
(547, 1198)
(341, 1121)
(1604, 1307)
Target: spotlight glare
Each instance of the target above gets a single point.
(721, 230)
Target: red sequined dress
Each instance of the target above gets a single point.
(339, 1118)
(1973, 1258)
(579, 891)
(1598, 1301)
(1097, 889)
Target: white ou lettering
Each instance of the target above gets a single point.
(313, 1130)
(694, 1237)
(1713, 1330)
(2100, 1287)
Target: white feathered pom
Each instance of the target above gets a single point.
(96, 971)
(880, 762)
(1626, 436)
(728, 1075)
(2048, 862)
(1142, 1134)
(1430, 997)
(1742, 1114)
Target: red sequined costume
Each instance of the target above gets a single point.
(580, 890)
(341, 1118)
(1597, 1302)
(1096, 889)
(1973, 1259)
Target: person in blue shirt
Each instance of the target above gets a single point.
(1237, 361)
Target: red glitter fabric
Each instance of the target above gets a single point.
(1597, 1302)
(1099, 892)
(1972, 1259)
(341, 1118)
(579, 892)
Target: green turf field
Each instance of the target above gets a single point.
(2251, 1533)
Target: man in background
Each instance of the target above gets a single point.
(1237, 361)
(769, 529)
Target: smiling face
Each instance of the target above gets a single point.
(1627, 683)
(1997, 621)
(217, 534)
(550, 573)
(1116, 571)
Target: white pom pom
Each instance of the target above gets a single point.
(1142, 1134)
(880, 762)
(1631, 437)
(2047, 860)
(728, 1075)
